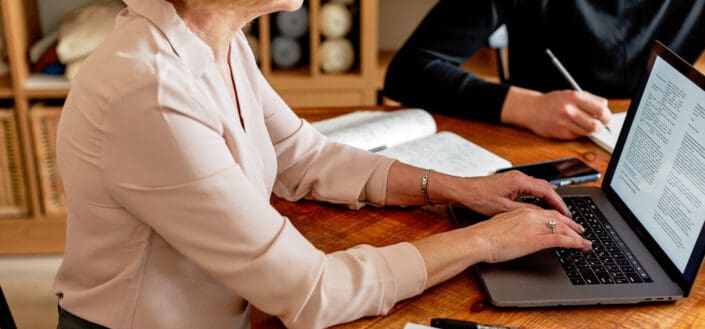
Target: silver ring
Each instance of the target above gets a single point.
(552, 225)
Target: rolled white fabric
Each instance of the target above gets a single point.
(286, 52)
(40, 47)
(335, 20)
(336, 55)
(293, 23)
(85, 29)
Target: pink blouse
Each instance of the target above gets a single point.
(169, 222)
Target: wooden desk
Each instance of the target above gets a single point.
(334, 228)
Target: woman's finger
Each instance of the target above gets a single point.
(573, 225)
(557, 224)
(582, 122)
(563, 241)
(542, 189)
(594, 106)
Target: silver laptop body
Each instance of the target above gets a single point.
(653, 197)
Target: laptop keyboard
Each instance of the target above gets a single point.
(609, 261)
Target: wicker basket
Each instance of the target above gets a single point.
(13, 192)
(44, 123)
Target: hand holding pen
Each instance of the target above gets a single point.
(567, 75)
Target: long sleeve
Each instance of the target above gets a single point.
(310, 167)
(426, 71)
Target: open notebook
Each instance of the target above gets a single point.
(607, 139)
(410, 136)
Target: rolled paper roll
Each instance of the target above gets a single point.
(335, 20)
(336, 55)
(254, 44)
(293, 23)
(286, 52)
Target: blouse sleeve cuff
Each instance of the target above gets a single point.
(407, 268)
(375, 191)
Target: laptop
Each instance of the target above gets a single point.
(645, 221)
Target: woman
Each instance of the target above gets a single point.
(170, 145)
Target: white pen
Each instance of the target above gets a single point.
(567, 75)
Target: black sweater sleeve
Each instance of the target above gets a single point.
(426, 71)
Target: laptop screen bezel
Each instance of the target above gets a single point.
(686, 279)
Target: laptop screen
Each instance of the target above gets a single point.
(660, 170)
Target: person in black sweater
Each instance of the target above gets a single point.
(604, 44)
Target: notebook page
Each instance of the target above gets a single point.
(448, 153)
(346, 121)
(377, 131)
(608, 139)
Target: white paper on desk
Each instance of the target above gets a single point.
(608, 139)
(410, 325)
(448, 153)
(410, 136)
(370, 130)
(346, 121)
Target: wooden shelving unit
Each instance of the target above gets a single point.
(309, 86)
(42, 228)
(35, 232)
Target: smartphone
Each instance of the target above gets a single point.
(559, 172)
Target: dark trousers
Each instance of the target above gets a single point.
(70, 321)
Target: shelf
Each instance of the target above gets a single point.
(282, 82)
(46, 86)
(299, 72)
(32, 235)
(307, 84)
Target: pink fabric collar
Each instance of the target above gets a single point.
(195, 53)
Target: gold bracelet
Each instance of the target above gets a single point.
(424, 187)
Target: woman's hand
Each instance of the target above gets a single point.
(488, 195)
(524, 231)
(495, 194)
(505, 236)
(563, 114)
(518, 228)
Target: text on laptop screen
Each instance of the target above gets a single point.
(660, 175)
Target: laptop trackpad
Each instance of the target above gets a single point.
(541, 260)
(523, 281)
(540, 267)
